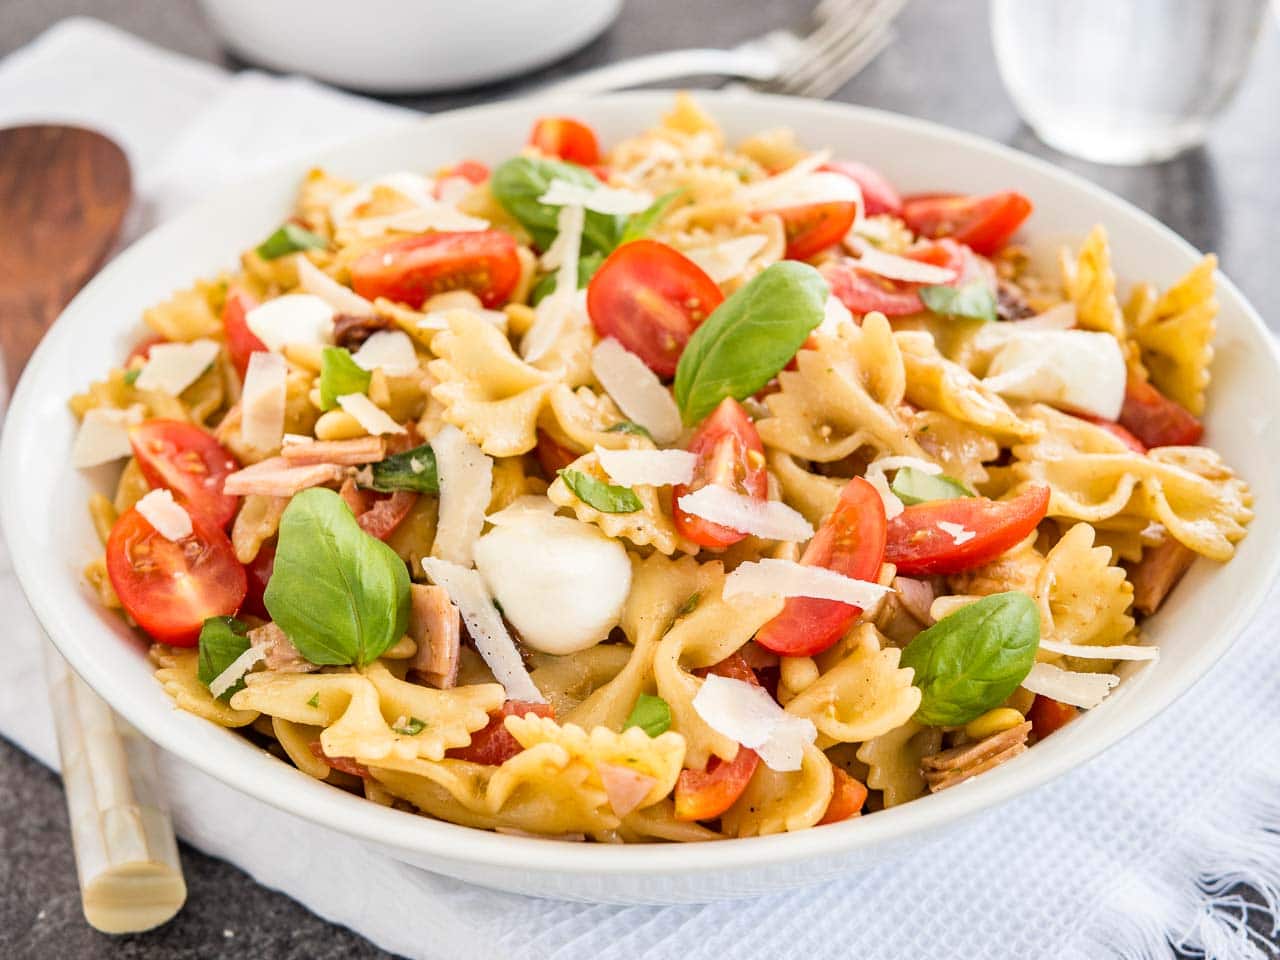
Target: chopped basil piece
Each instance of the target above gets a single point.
(631, 427)
(222, 639)
(974, 300)
(315, 700)
(340, 375)
(412, 470)
(587, 267)
(689, 605)
(605, 497)
(290, 238)
(913, 486)
(639, 224)
(651, 714)
(411, 727)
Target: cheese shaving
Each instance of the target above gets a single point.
(369, 415)
(487, 631)
(316, 282)
(164, 513)
(892, 267)
(292, 318)
(236, 670)
(262, 401)
(553, 311)
(436, 216)
(800, 185)
(958, 533)
(412, 186)
(391, 350)
(466, 485)
(636, 390)
(892, 505)
(172, 367)
(653, 468)
(786, 578)
(601, 199)
(1085, 690)
(727, 259)
(772, 519)
(746, 713)
(104, 436)
(439, 319)
(1084, 651)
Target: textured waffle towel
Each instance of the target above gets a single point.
(1135, 852)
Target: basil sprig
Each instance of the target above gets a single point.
(605, 497)
(913, 486)
(517, 185)
(339, 594)
(290, 238)
(222, 639)
(974, 300)
(340, 375)
(749, 338)
(412, 470)
(969, 662)
(651, 714)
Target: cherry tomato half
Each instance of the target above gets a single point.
(142, 350)
(814, 227)
(386, 513)
(847, 797)
(878, 194)
(566, 138)
(493, 744)
(919, 547)
(651, 298)
(187, 460)
(170, 588)
(411, 270)
(851, 541)
(730, 455)
(863, 292)
(984, 223)
(242, 342)
(552, 457)
(705, 794)
(1155, 419)
(1047, 715)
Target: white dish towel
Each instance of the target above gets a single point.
(1133, 852)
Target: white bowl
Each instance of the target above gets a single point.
(50, 537)
(408, 46)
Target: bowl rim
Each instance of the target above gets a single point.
(289, 789)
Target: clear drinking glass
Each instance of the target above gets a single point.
(1123, 81)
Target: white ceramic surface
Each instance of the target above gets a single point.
(408, 46)
(50, 537)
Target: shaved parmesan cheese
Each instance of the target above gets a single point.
(746, 713)
(435, 216)
(834, 316)
(487, 631)
(653, 468)
(319, 284)
(392, 350)
(172, 367)
(236, 670)
(165, 514)
(1077, 370)
(891, 267)
(772, 519)
(567, 245)
(412, 186)
(1066, 686)
(636, 390)
(293, 318)
(466, 485)
(453, 189)
(786, 578)
(1083, 651)
(727, 259)
(262, 401)
(892, 505)
(957, 531)
(800, 185)
(369, 415)
(104, 436)
(601, 199)
(439, 319)
(553, 311)
(519, 509)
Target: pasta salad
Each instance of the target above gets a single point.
(673, 492)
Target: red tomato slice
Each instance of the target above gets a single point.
(566, 138)
(551, 456)
(1155, 419)
(1117, 431)
(143, 348)
(189, 461)
(411, 270)
(473, 171)
(863, 292)
(878, 194)
(919, 547)
(492, 744)
(651, 298)
(730, 455)
(386, 513)
(984, 223)
(847, 797)
(241, 341)
(169, 588)
(258, 573)
(815, 227)
(851, 542)
(1048, 716)
(705, 794)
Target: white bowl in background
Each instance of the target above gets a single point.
(42, 500)
(408, 46)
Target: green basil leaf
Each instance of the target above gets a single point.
(587, 267)
(605, 497)
(690, 605)
(411, 727)
(339, 594)
(631, 427)
(517, 185)
(749, 338)
(290, 238)
(651, 714)
(973, 300)
(913, 486)
(131, 376)
(969, 662)
(315, 700)
(639, 224)
(339, 376)
(222, 639)
(412, 470)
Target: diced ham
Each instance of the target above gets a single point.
(351, 453)
(279, 653)
(1158, 572)
(345, 764)
(916, 596)
(946, 769)
(624, 787)
(276, 478)
(436, 627)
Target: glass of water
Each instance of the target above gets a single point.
(1123, 81)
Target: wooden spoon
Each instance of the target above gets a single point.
(64, 192)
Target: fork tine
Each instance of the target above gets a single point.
(842, 56)
(828, 42)
(848, 68)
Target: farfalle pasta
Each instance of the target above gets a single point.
(657, 493)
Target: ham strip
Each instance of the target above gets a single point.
(351, 453)
(435, 625)
(1157, 573)
(946, 769)
(276, 478)
(625, 788)
(279, 653)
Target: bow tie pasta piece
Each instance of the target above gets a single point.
(487, 391)
(579, 420)
(960, 449)
(1090, 283)
(893, 761)
(1175, 336)
(776, 802)
(1020, 568)
(658, 822)
(568, 680)
(1087, 599)
(189, 314)
(844, 395)
(813, 495)
(568, 359)
(295, 740)
(176, 669)
(315, 197)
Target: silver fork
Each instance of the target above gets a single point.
(847, 35)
